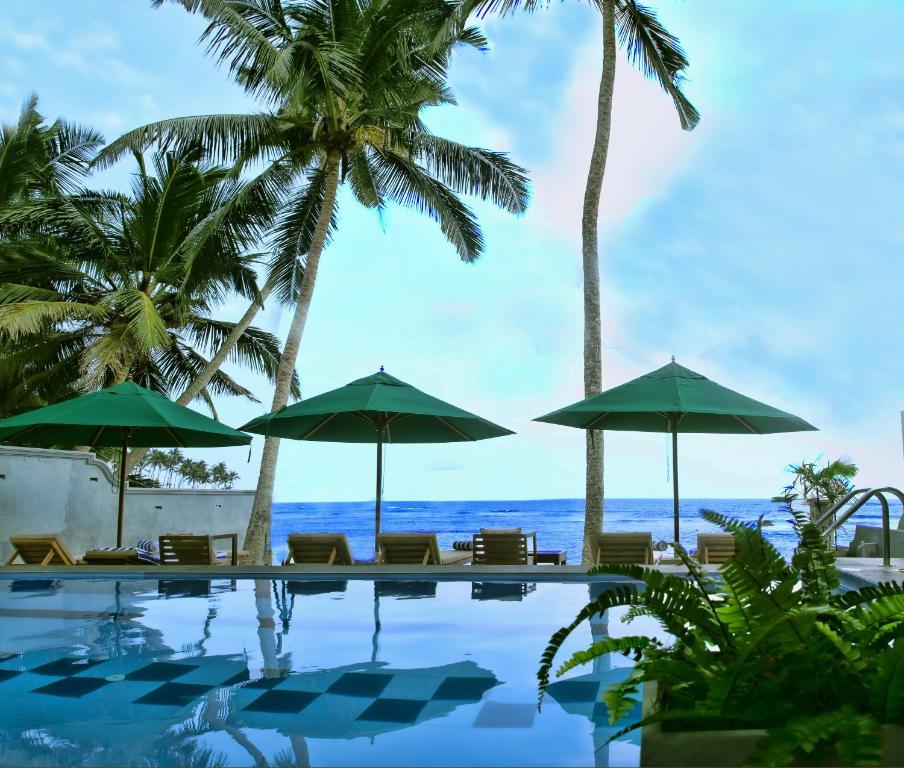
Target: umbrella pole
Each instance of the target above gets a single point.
(379, 493)
(675, 478)
(121, 518)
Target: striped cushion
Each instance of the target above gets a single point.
(143, 555)
(462, 546)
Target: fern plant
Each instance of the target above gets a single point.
(766, 644)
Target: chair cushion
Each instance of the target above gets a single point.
(142, 555)
(500, 530)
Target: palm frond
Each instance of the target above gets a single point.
(657, 53)
(408, 185)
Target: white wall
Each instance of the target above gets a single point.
(72, 494)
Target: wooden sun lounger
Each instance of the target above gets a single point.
(496, 548)
(634, 548)
(416, 549)
(44, 549)
(191, 549)
(319, 549)
(715, 547)
(112, 557)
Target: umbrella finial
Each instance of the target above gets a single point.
(381, 369)
(673, 358)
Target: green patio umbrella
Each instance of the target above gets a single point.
(123, 415)
(376, 409)
(676, 399)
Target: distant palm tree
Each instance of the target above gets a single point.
(128, 285)
(221, 476)
(346, 83)
(659, 55)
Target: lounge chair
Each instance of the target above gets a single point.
(318, 549)
(715, 547)
(624, 548)
(416, 549)
(191, 549)
(44, 549)
(145, 553)
(503, 546)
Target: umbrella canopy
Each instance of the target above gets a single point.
(676, 399)
(123, 415)
(376, 409)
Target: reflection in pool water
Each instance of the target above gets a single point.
(296, 673)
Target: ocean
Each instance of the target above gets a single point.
(558, 522)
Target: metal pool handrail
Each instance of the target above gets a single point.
(831, 511)
(879, 493)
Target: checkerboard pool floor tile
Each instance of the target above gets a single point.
(160, 671)
(66, 667)
(463, 688)
(8, 674)
(174, 694)
(360, 684)
(72, 687)
(393, 711)
(574, 691)
(282, 701)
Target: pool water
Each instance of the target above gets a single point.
(297, 673)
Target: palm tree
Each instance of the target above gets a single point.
(38, 161)
(345, 83)
(41, 160)
(121, 286)
(659, 55)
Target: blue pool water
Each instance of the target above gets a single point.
(558, 522)
(268, 673)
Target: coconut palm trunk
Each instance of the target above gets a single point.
(257, 537)
(593, 365)
(214, 364)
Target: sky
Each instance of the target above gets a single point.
(764, 249)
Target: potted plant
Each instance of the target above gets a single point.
(768, 664)
(819, 487)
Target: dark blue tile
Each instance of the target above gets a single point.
(574, 691)
(282, 701)
(360, 684)
(174, 694)
(393, 711)
(463, 688)
(160, 671)
(65, 667)
(72, 687)
(7, 674)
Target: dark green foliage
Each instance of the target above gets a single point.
(826, 484)
(98, 286)
(767, 644)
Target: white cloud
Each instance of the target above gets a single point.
(647, 147)
(28, 41)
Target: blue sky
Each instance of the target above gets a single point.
(764, 249)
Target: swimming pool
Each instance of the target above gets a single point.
(275, 673)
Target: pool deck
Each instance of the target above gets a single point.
(856, 570)
(865, 571)
(536, 573)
